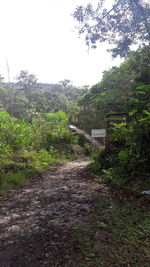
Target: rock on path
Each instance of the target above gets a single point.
(37, 221)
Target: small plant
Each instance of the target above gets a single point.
(44, 157)
(113, 175)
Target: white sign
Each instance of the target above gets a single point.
(99, 133)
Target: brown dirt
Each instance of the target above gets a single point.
(37, 221)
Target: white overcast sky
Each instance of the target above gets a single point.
(40, 36)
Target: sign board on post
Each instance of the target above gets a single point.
(98, 133)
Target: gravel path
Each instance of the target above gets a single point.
(37, 221)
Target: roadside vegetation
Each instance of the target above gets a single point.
(34, 127)
(27, 149)
(123, 90)
(119, 230)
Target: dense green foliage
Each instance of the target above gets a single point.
(124, 89)
(26, 148)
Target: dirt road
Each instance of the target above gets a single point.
(37, 221)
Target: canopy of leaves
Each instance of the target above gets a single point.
(115, 89)
(125, 23)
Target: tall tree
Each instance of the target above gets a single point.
(26, 80)
(125, 24)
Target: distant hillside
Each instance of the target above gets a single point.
(70, 91)
(44, 86)
(24, 101)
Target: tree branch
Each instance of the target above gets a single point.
(140, 7)
(110, 11)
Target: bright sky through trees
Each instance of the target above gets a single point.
(40, 36)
